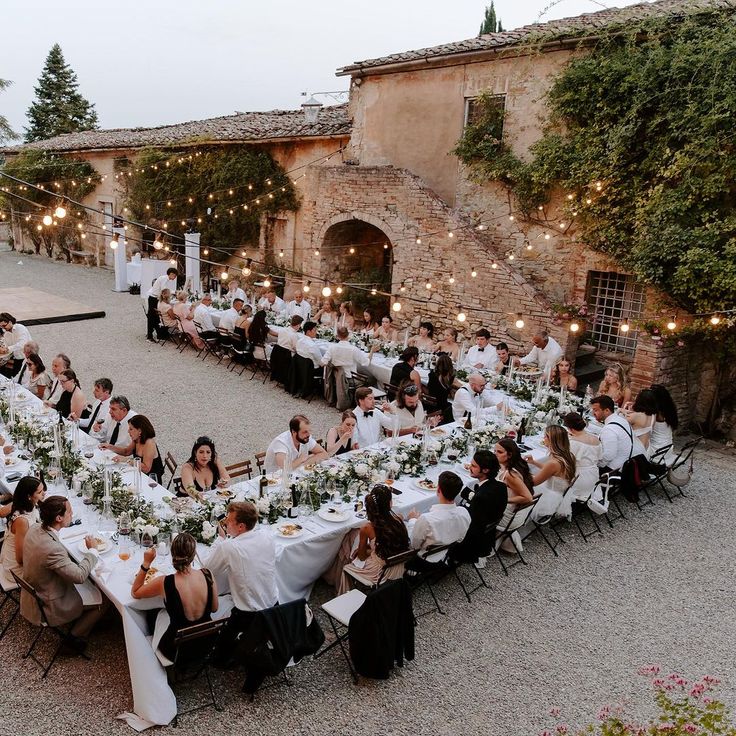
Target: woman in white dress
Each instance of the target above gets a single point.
(642, 416)
(518, 479)
(327, 315)
(556, 472)
(586, 449)
(665, 424)
(23, 514)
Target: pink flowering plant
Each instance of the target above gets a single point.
(686, 708)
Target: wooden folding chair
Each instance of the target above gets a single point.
(236, 470)
(171, 465)
(260, 458)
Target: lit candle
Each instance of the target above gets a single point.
(406, 338)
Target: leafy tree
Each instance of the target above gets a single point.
(58, 107)
(490, 23)
(76, 179)
(6, 132)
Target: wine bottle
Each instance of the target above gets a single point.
(292, 513)
(468, 423)
(262, 484)
(520, 433)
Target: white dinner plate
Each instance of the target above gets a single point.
(282, 531)
(333, 515)
(418, 484)
(107, 544)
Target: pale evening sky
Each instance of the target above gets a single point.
(153, 62)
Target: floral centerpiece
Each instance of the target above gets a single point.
(326, 333)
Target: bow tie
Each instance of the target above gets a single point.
(478, 393)
(367, 413)
(480, 350)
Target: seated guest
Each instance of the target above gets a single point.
(545, 353)
(327, 315)
(346, 316)
(386, 332)
(203, 319)
(556, 471)
(72, 399)
(485, 501)
(60, 363)
(22, 375)
(167, 314)
(142, 446)
(234, 292)
(114, 426)
(340, 438)
(269, 302)
(444, 523)
(448, 344)
(381, 537)
(370, 421)
(289, 336)
(441, 383)
(102, 391)
(165, 281)
(425, 339)
(246, 557)
(404, 370)
(618, 442)
(563, 377)
(473, 397)
(408, 408)
(189, 595)
(518, 479)
(504, 360)
(481, 356)
(37, 380)
(14, 337)
(185, 313)
(306, 345)
(665, 424)
(63, 584)
(344, 354)
(258, 332)
(370, 324)
(299, 306)
(586, 449)
(243, 322)
(296, 445)
(23, 515)
(642, 415)
(204, 469)
(230, 316)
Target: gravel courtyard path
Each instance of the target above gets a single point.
(568, 632)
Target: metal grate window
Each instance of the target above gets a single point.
(473, 111)
(613, 297)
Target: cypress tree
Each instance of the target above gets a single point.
(6, 132)
(490, 23)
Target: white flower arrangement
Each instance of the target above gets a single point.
(208, 530)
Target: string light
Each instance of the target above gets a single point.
(246, 269)
(715, 319)
(224, 275)
(158, 243)
(326, 290)
(494, 266)
(529, 246)
(306, 288)
(396, 306)
(451, 234)
(115, 240)
(206, 251)
(47, 220)
(374, 291)
(385, 246)
(428, 285)
(451, 280)
(624, 326)
(338, 289)
(402, 288)
(461, 316)
(351, 251)
(473, 272)
(672, 324)
(267, 281)
(519, 321)
(419, 241)
(60, 212)
(316, 251)
(574, 326)
(281, 253)
(511, 256)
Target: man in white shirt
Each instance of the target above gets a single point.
(203, 318)
(246, 558)
(235, 292)
(230, 316)
(271, 303)
(444, 523)
(369, 420)
(545, 353)
(344, 354)
(306, 345)
(100, 409)
(473, 397)
(295, 446)
(166, 281)
(14, 337)
(299, 305)
(114, 429)
(23, 375)
(408, 408)
(618, 442)
(482, 355)
(289, 336)
(60, 363)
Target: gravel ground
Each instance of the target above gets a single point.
(568, 632)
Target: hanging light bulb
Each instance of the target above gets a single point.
(326, 290)
(60, 212)
(547, 236)
(47, 220)
(351, 251)
(396, 306)
(511, 256)
(419, 241)
(385, 246)
(672, 324)
(519, 321)
(172, 261)
(374, 291)
(267, 281)
(402, 288)
(461, 316)
(494, 266)
(529, 246)
(338, 289)
(574, 326)
(224, 275)
(158, 243)
(715, 319)
(246, 268)
(624, 326)
(39, 227)
(206, 251)
(316, 251)
(307, 287)
(428, 284)
(114, 241)
(451, 234)
(451, 280)
(473, 272)
(281, 253)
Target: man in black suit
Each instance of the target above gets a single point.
(486, 501)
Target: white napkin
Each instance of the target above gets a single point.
(134, 721)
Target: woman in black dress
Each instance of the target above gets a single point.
(142, 446)
(72, 401)
(340, 438)
(204, 470)
(440, 385)
(190, 596)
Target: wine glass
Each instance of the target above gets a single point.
(153, 480)
(124, 549)
(146, 540)
(124, 524)
(164, 544)
(89, 451)
(390, 477)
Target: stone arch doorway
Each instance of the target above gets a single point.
(355, 251)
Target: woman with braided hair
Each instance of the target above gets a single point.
(383, 536)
